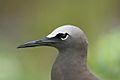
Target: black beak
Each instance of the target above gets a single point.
(42, 42)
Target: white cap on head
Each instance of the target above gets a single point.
(64, 29)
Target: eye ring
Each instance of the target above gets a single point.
(65, 37)
(62, 36)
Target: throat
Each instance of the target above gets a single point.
(70, 65)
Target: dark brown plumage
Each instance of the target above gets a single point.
(71, 62)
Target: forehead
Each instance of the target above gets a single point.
(64, 29)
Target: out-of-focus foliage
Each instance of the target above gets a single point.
(24, 20)
(106, 55)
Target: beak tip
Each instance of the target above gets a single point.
(19, 47)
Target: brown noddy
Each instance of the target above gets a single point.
(71, 62)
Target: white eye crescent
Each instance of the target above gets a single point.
(65, 37)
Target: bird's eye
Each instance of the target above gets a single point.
(62, 36)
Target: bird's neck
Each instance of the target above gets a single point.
(69, 65)
(73, 56)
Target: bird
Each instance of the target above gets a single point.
(71, 61)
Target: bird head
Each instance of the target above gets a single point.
(66, 36)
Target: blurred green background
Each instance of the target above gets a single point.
(25, 20)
